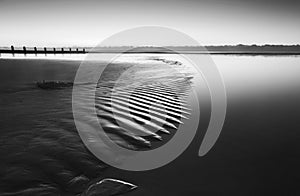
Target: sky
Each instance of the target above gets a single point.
(88, 22)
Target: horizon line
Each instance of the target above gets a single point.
(192, 46)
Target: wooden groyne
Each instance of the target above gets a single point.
(34, 50)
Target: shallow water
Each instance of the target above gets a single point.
(257, 152)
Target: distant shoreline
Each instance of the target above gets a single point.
(216, 50)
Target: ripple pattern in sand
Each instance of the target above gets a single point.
(143, 111)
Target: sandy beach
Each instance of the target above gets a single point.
(256, 154)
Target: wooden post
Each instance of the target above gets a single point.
(70, 49)
(24, 49)
(54, 50)
(62, 50)
(77, 50)
(12, 49)
(45, 50)
(83, 50)
(35, 50)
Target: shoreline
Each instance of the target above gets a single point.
(257, 150)
(219, 50)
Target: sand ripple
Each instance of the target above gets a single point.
(142, 108)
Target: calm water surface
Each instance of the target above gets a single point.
(257, 152)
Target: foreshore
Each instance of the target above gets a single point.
(257, 151)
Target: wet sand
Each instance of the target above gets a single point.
(256, 154)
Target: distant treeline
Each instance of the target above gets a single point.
(257, 48)
(224, 49)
